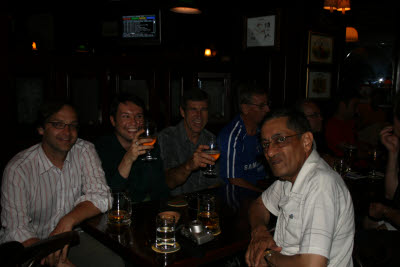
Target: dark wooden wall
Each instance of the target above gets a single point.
(282, 70)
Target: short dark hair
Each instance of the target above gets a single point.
(246, 91)
(123, 98)
(195, 94)
(48, 109)
(297, 121)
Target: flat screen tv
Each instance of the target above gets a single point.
(141, 28)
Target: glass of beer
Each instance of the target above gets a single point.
(121, 210)
(207, 213)
(165, 233)
(215, 153)
(150, 131)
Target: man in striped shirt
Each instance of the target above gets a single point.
(52, 186)
(241, 162)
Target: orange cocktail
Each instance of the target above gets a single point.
(150, 143)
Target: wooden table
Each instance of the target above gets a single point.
(134, 242)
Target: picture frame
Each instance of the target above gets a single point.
(261, 31)
(320, 48)
(319, 84)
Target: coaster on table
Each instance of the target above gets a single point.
(179, 202)
(170, 250)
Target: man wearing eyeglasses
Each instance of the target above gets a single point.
(121, 153)
(315, 217)
(53, 186)
(241, 161)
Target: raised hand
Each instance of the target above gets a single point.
(389, 139)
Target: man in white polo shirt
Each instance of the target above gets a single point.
(315, 224)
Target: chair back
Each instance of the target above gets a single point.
(39, 250)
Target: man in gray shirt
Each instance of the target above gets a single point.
(182, 146)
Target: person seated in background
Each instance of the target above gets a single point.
(374, 245)
(121, 153)
(51, 187)
(340, 129)
(182, 146)
(313, 114)
(241, 164)
(315, 224)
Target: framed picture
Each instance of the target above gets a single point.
(261, 31)
(217, 86)
(319, 84)
(320, 48)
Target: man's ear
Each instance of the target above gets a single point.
(40, 130)
(244, 108)
(112, 120)
(307, 140)
(182, 112)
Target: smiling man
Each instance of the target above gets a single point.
(182, 146)
(121, 153)
(53, 186)
(315, 225)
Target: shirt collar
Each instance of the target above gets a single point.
(305, 170)
(183, 134)
(46, 162)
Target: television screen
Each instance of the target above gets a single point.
(141, 28)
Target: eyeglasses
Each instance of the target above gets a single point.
(315, 115)
(61, 125)
(278, 141)
(261, 106)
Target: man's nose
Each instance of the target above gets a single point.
(270, 151)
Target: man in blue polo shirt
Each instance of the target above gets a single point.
(241, 161)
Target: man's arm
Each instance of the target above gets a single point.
(380, 211)
(391, 142)
(178, 175)
(298, 260)
(261, 238)
(81, 212)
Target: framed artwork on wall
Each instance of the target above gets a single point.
(262, 31)
(320, 48)
(319, 84)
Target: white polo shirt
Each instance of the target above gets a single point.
(315, 214)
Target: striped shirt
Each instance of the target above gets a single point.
(241, 157)
(35, 194)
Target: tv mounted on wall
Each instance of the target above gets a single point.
(141, 28)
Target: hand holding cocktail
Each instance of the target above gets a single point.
(148, 138)
(213, 151)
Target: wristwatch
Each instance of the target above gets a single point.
(267, 255)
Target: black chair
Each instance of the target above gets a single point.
(14, 254)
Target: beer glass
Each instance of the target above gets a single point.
(214, 152)
(373, 155)
(150, 131)
(339, 166)
(165, 233)
(207, 213)
(350, 155)
(121, 210)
